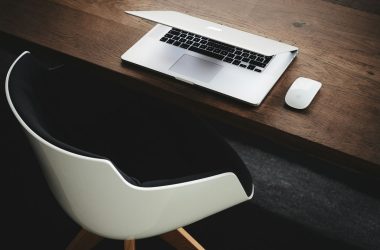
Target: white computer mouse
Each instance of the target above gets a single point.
(302, 92)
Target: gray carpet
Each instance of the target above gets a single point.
(298, 192)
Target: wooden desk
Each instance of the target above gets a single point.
(339, 46)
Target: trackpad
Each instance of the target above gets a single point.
(196, 68)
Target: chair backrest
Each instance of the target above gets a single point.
(91, 189)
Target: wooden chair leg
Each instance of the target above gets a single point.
(180, 239)
(84, 240)
(129, 245)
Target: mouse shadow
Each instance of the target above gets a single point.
(300, 111)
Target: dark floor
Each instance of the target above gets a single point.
(299, 202)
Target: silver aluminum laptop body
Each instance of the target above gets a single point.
(236, 81)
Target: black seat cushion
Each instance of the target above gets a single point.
(152, 143)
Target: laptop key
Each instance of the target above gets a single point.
(236, 62)
(243, 65)
(176, 33)
(195, 49)
(176, 43)
(228, 59)
(238, 57)
(251, 67)
(210, 43)
(262, 65)
(164, 39)
(230, 49)
(184, 45)
(223, 52)
(213, 55)
(267, 59)
(206, 53)
(245, 59)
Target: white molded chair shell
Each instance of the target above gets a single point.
(97, 197)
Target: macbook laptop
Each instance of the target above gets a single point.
(228, 61)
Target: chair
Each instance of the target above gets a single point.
(103, 193)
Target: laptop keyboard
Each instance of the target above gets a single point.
(221, 51)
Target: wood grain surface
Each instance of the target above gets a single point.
(339, 45)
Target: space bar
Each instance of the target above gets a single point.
(206, 53)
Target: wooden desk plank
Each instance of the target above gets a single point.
(339, 46)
